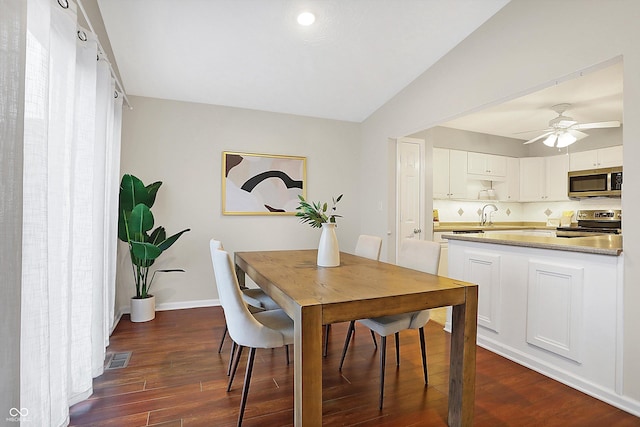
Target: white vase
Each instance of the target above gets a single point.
(143, 309)
(328, 250)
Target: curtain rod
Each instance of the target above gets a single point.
(113, 74)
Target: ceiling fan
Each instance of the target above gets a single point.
(564, 131)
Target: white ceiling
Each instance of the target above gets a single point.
(253, 54)
(595, 96)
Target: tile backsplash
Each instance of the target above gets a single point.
(468, 210)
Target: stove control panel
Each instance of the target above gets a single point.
(600, 215)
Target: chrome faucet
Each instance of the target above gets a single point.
(483, 215)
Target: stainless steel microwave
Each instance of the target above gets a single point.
(605, 182)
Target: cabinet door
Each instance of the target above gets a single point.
(583, 160)
(440, 173)
(496, 165)
(457, 174)
(477, 163)
(488, 165)
(555, 307)
(532, 179)
(557, 168)
(610, 157)
(509, 189)
(484, 269)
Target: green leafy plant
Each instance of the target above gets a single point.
(315, 213)
(135, 221)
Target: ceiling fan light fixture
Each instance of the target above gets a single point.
(565, 139)
(550, 140)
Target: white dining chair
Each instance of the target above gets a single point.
(366, 247)
(266, 329)
(422, 255)
(254, 297)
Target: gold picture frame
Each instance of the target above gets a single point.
(262, 184)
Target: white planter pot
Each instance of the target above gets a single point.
(328, 250)
(143, 310)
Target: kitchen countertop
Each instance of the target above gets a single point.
(465, 226)
(609, 244)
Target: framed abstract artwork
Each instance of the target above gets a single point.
(262, 184)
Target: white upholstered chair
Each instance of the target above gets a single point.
(255, 298)
(422, 255)
(266, 329)
(366, 247)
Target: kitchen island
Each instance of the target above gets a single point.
(549, 303)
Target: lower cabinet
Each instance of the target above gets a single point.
(484, 269)
(556, 312)
(555, 308)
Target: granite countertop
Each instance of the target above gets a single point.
(609, 244)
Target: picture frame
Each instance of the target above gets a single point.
(262, 184)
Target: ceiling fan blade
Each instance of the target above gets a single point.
(579, 135)
(597, 125)
(537, 138)
(535, 130)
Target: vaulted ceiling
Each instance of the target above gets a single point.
(253, 54)
(355, 57)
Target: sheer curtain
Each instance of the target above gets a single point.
(71, 168)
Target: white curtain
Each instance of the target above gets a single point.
(71, 168)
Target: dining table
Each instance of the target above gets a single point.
(361, 288)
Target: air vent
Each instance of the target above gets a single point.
(118, 360)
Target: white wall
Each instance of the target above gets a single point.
(514, 53)
(181, 144)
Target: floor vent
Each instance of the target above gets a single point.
(118, 360)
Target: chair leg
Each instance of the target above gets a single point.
(424, 355)
(235, 367)
(397, 349)
(224, 334)
(286, 352)
(231, 354)
(346, 342)
(383, 361)
(373, 337)
(327, 328)
(245, 387)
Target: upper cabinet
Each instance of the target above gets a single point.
(449, 174)
(543, 178)
(509, 189)
(601, 158)
(486, 166)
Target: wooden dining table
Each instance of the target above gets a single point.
(361, 288)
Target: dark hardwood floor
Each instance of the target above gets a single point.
(176, 377)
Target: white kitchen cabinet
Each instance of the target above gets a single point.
(449, 174)
(532, 179)
(547, 300)
(555, 308)
(443, 265)
(544, 178)
(602, 158)
(509, 189)
(483, 269)
(486, 166)
(556, 178)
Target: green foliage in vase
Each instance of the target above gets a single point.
(317, 213)
(135, 221)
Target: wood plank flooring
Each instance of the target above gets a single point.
(176, 377)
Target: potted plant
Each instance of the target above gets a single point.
(135, 221)
(318, 215)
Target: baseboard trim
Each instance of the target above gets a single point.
(165, 307)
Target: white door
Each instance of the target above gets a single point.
(410, 203)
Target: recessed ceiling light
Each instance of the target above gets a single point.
(306, 18)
